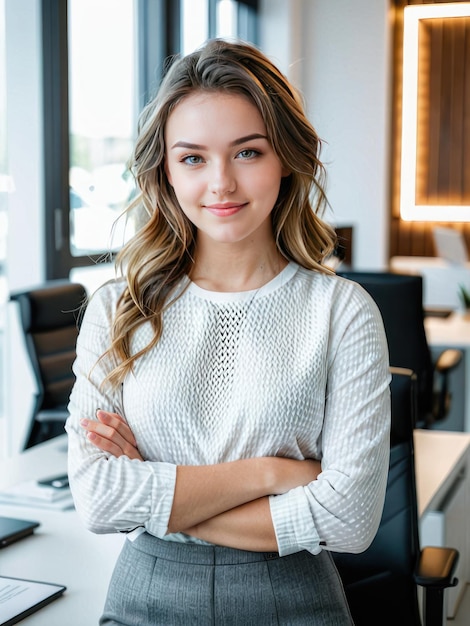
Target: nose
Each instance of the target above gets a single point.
(222, 179)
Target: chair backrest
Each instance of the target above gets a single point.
(379, 582)
(49, 317)
(400, 301)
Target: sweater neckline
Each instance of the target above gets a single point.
(240, 296)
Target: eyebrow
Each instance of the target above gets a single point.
(235, 142)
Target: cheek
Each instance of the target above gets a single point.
(187, 182)
(168, 173)
(185, 190)
(269, 183)
(178, 181)
(179, 186)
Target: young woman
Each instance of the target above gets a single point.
(231, 407)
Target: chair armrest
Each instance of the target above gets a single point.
(448, 360)
(436, 567)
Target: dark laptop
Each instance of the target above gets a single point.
(12, 530)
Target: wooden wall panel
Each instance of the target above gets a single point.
(443, 173)
(443, 113)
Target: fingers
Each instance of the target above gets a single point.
(111, 434)
(116, 422)
(107, 445)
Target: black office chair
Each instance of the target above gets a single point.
(400, 300)
(381, 584)
(49, 316)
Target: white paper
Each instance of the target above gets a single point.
(18, 596)
(29, 493)
(30, 489)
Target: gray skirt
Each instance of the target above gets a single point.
(162, 583)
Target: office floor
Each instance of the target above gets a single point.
(463, 613)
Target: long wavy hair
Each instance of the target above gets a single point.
(161, 253)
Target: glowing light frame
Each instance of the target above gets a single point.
(409, 210)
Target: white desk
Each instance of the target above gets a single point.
(442, 461)
(453, 332)
(61, 549)
(439, 459)
(441, 278)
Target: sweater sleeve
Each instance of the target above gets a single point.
(111, 494)
(342, 508)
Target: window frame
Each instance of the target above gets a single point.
(158, 24)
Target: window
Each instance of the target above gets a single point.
(201, 19)
(103, 59)
(194, 24)
(102, 111)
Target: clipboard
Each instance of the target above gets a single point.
(20, 597)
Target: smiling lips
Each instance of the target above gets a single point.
(225, 209)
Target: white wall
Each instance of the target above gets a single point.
(25, 251)
(280, 35)
(25, 247)
(338, 52)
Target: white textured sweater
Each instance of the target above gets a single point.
(298, 368)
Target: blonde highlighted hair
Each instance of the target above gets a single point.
(156, 259)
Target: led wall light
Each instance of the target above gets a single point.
(417, 57)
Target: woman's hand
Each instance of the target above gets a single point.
(112, 435)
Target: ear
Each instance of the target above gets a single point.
(285, 172)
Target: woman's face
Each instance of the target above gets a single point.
(224, 172)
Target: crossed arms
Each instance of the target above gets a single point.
(227, 503)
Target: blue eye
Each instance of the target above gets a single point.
(248, 154)
(192, 159)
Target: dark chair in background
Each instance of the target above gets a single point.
(400, 300)
(381, 584)
(49, 316)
